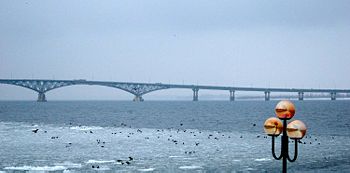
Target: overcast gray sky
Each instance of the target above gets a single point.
(263, 43)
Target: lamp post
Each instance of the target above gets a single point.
(295, 130)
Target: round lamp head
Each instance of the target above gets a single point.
(273, 126)
(285, 110)
(296, 129)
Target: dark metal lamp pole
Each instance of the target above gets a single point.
(295, 130)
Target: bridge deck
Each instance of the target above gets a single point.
(167, 86)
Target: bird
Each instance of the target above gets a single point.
(35, 130)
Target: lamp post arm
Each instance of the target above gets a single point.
(273, 149)
(295, 151)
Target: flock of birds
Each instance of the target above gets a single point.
(215, 136)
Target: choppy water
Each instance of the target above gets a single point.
(212, 136)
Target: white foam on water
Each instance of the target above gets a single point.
(41, 160)
(146, 170)
(236, 160)
(102, 169)
(100, 161)
(84, 128)
(176, 156)
(36, 168)
(262, 159)
(250, 169)
(189, 158)
(69, 164)
(190, 167)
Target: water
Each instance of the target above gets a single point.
(205, 136)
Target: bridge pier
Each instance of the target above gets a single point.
(301, 95)
(41, 97)
(195, 94)
(138, 98)
(232, 95)
(333, 95)
(267, 95)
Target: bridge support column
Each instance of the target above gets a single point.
(195, 94)
(301, 95)
(232, 95)
(41, 97)
(138, 98)
(267, 95)
(333, 95)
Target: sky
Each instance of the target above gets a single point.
(258, 43)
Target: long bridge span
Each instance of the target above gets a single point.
(41, 86)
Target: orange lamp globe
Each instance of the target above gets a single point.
(285, 110)
(296, 129)
(273, 126)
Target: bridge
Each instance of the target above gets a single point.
(42, 86)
